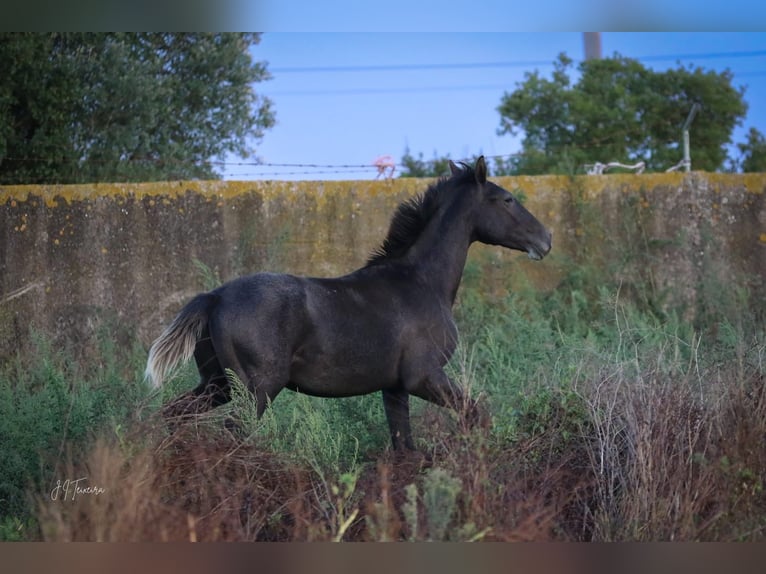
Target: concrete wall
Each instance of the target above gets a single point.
(74, 259)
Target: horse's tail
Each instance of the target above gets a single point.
(177, 341)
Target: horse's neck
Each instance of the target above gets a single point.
(440, 254)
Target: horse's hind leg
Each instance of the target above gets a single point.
(213, 389)
(265, 382)
(264, 370)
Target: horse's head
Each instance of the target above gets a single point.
(499, 218)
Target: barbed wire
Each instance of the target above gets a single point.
(311, 168)
(260, 168)
(316, 165)
(231, 175)
(599, 142)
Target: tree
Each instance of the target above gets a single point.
(753, 152)
(618, 110)
(78, 107)
(418, 167)
(439, 165)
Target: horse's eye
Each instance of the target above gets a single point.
(508, 200)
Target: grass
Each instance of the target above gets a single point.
(50, 409)
(610, 421)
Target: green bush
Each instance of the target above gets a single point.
(51, 408)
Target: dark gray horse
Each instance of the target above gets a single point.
(385, 327)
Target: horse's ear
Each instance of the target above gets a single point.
(454, 170)
(481, 171)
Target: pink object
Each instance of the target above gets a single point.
(385, 163)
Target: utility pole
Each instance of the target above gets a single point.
(592, 41)
(685, 129)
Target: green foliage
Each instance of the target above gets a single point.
(418, 167)
(410, 510)
(51, 408)
(439, 165)
(327, 435)
(209, 278)
(618, 110)
(753, 152)
(85, 107)
(13, 529)
(440, 492)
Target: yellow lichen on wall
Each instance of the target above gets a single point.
(268, 189)
(754, 183)
(590, 186)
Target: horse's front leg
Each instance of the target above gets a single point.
(397, 405)
(436, 387)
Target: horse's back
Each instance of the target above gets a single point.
(260, 289)
(343, 305)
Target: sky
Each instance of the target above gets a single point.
(346, 98)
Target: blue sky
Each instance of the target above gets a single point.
(346, 98)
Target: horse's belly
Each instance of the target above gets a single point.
(341, 374)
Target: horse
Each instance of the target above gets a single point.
(387, 326)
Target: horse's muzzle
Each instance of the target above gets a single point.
(541, 249)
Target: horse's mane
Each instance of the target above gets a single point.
(412, 216)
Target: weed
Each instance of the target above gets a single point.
(440, 491)
(208, 277)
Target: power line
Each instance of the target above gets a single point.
(502, 64)
(427, 89)
(473, 65)
(404, 90)
(705, 56)
(408, 67)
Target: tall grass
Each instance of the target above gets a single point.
(612, 418)
(51, 409)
